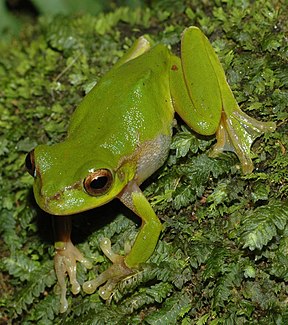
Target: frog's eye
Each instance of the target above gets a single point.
(30, 163)
(98, 182)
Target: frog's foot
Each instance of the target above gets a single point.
(111, 276)
(65, 262)
(237, 131)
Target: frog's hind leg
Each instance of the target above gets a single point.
(228, 136)
(206, 102)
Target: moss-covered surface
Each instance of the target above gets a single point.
(222, 257)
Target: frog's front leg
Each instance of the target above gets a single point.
(66, 256)
(142, 249)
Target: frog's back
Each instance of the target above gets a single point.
(131, 105)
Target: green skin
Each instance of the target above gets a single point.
(124, 125)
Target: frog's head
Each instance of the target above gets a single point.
(68, 182)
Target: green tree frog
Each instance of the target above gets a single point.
(120, 134)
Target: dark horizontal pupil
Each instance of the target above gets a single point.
(99, 182)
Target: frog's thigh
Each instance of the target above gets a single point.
(151, 156)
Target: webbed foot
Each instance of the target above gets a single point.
(237, 132)
(65, 262)
(111, 276)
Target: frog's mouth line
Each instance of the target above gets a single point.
(45, 204)
(58, 205)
